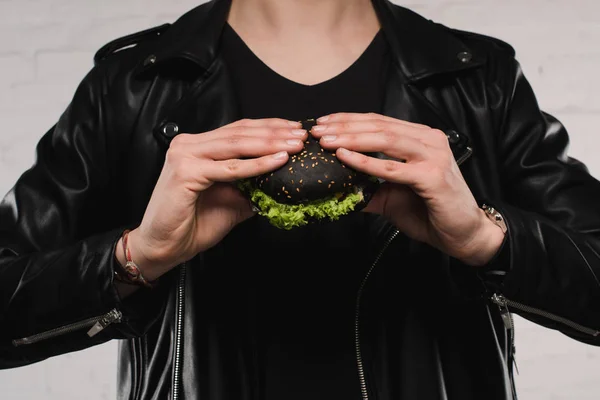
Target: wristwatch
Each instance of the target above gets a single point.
(495, 216)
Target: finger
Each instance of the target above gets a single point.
(239, 130)
(238, 147)
(266, 122)
(361, 127)
(234, 169)
(396, 146)
(390, 170)
(344, 116)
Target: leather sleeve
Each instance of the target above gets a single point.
(58, 230)
(550, 259)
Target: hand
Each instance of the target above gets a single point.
(192, 207)
(425, 195)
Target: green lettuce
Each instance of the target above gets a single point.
(288, 216)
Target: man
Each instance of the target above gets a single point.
(128, 226)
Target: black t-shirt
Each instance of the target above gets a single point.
(306, 279)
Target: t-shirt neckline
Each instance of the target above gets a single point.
(355, 64)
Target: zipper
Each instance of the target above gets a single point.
(178, 333)
(359, 360)
(504, 303)
(97, 324)
(464, 157)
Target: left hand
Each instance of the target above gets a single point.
(425, 195)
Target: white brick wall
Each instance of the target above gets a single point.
(46, 47)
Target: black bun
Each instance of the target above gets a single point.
(313, 174)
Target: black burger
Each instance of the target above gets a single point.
(312, 186)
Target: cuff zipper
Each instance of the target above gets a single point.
(97, 324)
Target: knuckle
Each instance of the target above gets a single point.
(174, 153)
(390, 166)
(233, 140)
(389, 138)
(346, 125)
(178, 141)
(363, 160)
(439, 136)
(232, 166)
(378, 125)
(261, 163)
(277, 132)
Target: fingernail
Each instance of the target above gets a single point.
(298, 132)
(323, 119)
(295, 123)
(293, 142)
(280, 155)
(329, 138)
(318, 128)
(341, 150)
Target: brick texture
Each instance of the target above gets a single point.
(46, 47)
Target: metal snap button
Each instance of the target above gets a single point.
(453, 136)
(171, 129)
(464, 56)
(150, 60)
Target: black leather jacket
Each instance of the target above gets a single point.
(427, 326)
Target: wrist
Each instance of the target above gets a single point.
(486, 245)
(150, 269)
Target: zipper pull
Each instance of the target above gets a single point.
(110, 317)
(504, 312)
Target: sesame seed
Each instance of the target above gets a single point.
(286, 192)
(326, 176)
(292, 181)
(332, 181)
(313, 165)
(349, 184)
(350, 176)
(301, 180)
(297, 189)
(290, 168)
(289, 197)
(266, 179)
(329, 186)
(333, 154)
(317, 163)
(283, 188)
(320, 181)
(313, 158)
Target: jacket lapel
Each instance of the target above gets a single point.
(209, 104)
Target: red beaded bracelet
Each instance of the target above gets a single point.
(131, 272)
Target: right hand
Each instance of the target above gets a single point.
(192, 207)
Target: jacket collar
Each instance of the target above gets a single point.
(420, 48)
